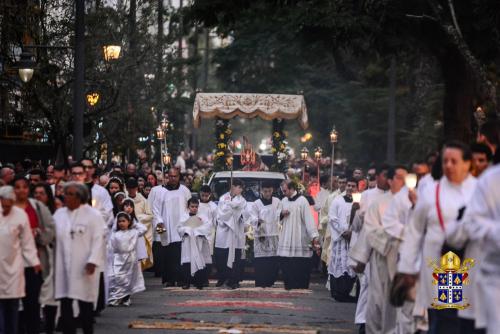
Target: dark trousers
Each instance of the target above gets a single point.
(296, 272)
(340, 288)
(49, 318)
(199, 278)
(29, 318)
(447, 322)
(266, 271)
(157, 258)
(224, 273)
(9, 315)
(68, 323)
(171, 263)
(101, 298)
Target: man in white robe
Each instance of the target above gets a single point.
(424, 236)
(79, 236)
(342, 277)
(17, 247)
(367, 198)
(156, 206)
(297, 239)
(195, 252)
(320, 201)
(326, 240)
(380, 315)
(173, 204)
(264, 216)
(230, 236)
(477, 232)
(99, 198)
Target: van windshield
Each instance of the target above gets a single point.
(221, 185)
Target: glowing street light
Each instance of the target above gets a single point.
(318, 153)
(92, 98)
(26, 66)
(160, 134)
(334, 137)
(111, 52)
(304, 154)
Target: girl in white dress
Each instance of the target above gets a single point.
(125, 275)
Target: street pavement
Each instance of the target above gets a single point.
(220, 310)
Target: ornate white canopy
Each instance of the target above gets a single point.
(266, 106)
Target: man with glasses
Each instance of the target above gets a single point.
(83, 173)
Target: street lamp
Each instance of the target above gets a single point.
(164, 124)
(92, 98)
(111, 52)
(166, 159)
(318, 152)
(26, 66)
(304, 154)
(160, 134)
(333, 140)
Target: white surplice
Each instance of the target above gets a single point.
(339, 218)
(195, 248)
(79, 240)
(230, 226)
(424, 237)
(17, 247)
(156, 207)
(208, 212)
(298, 228)
(480, 227)
(125, 274)
(326, 241)
(265, 222)
(101, 200)
(172, 204)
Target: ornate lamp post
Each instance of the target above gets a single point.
(161, 135)
(304, 154)
(111, 52)
(318, 153)
(333, 141)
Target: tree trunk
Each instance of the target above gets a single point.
(459, 98)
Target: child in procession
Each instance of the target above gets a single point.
(208, 210)
(125, 275)
(195, 251)
(128, 207)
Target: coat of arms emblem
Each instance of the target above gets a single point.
(450, 276)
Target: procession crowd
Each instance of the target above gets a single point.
(74, 240)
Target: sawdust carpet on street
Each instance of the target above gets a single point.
(221, 310)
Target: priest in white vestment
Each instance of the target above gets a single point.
(264, 216)
(195, 251)
(17, 248)
(297, 238)
(79, 243)
(172, 204)
(230, 236)
(425, 234)
(342, 277)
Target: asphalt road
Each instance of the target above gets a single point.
(217, 310)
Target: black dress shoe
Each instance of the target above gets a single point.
(185, 286)
(199, 287)
(220, 283)
(169, 284)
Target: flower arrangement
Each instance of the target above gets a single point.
(279, 147)
(222, 156)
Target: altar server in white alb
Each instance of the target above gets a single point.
(208, 211)
(264, 215)
(125, 274)
(297, 239)
(424, 237)
(342, 277)
(230, 236)
(17, 247)
(195, 252)
(79, 243)
(156, 207)
(168, 209)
